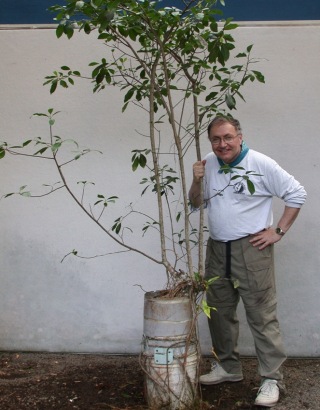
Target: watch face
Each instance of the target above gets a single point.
(279, 231)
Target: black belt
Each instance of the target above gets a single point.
(228, 256)
(228, 259)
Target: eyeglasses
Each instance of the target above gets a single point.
(228, 139)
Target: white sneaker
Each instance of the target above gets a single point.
(268, 394)
(219, 375)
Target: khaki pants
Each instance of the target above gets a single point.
(252, 279)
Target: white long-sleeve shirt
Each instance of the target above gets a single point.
(233, 212)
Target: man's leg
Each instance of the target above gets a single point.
(223, 325)
(268, 341)
(258, 293)
(259, 298)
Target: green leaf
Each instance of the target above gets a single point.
(241, 55)
(68, 30)
(39, 114)
(118, 228)
(112, 198)
(63, 83)
(2, 153)
(124, 107)
(53, 86)
(59, 31)
(206, 308)
(56, 146)
(251, 187)
(129, 95)
(145, 190)
(135, 164)
(226, 169)
(212, 280)
(87, 28)
(142, 161)
(259, 76)
(230, 26)
(236, 283)
(211, 96)
(41, 151)
(230, 101)
(26, 143)
(100, 77)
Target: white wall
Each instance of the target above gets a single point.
(93, 305)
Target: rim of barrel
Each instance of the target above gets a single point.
(160, 295)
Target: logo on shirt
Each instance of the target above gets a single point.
(239, 188)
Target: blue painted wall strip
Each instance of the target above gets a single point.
(35, 11)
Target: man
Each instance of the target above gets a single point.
(240, 251)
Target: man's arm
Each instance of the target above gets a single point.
(288, 217)
(269, 236)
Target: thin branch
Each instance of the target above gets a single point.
(48, 193)
(26, 155)
(74, 253)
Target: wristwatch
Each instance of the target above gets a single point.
(279, 231)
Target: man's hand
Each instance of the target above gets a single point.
(198, 174)
(265, 238)
(199, 170)
(269, 236)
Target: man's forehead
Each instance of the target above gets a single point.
(224, 129)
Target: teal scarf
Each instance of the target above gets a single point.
(243, 153)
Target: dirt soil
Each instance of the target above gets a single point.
(43, 381)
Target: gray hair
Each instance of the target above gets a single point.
(222, 120)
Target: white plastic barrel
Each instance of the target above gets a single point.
(170, 356)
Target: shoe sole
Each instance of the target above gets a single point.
(266, 405)
(226, 379)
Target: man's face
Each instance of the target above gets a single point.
(225, 142)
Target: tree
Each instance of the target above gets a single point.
(172, 64)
